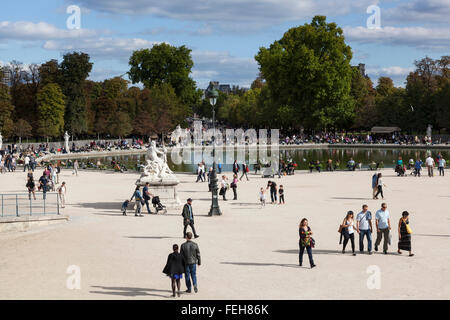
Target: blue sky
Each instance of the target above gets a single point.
(224, 35)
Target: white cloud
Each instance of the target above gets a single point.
(396, 73)
(25, 30)
(223, 67)
(418, 37)
(237, 15)
(101, 47)
(427, 11)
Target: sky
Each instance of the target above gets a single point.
(224, 36)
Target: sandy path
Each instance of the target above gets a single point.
(248, 253)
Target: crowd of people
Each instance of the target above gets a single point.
(341, 138)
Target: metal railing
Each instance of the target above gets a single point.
(18, 204)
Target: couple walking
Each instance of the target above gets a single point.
(377, 185)
(186, 262)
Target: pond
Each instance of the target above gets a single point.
(386, 157)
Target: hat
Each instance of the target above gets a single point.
(189, 199)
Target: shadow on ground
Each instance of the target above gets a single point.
(256, 264)
(155, 237)
(131, 292)
(345, 198)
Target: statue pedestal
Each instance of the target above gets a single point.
(165, 189)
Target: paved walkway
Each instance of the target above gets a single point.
(248, 253)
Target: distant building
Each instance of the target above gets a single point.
(5, 76)
(362, 69)
(224, 88)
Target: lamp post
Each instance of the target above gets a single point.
(215, 210)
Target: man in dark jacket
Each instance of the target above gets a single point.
(188, 218)
(191, 254)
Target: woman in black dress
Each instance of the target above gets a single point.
(175, 268)
(404, 234)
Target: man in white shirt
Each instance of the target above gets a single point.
(430, 165)
(383, 223)
(26, 163)
(441, 166)
(364, 228)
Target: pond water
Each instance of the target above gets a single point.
(387, 157)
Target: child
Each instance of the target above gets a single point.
(281, 193)
(175, 267)
(262, 197)
(124, 207)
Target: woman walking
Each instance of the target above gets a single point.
(223, 187)
(380, 186)
(404, 234)
(348, 232)
(234, 186)
(175, 268)
(305, 242)
(138, 198)
(31, 186)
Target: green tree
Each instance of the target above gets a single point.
(75, 68)
(309, 70)
(6, 111)
(22, 129)
(363, 94)
(51, 105)
(168, 64)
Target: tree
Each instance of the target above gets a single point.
(385, 86)
(168, 64)
(120, 125)
(75, 68)
(309, 70)
(51, 104)
(363, 94)
(22, 129)
(6, 110)
(50, 72)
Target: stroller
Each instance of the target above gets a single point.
(158, 205)
(400, 170)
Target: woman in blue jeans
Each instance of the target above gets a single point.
(305, 242)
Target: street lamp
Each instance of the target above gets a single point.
(215, 210)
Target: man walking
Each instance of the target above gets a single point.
(383, 224)
(417, 167)
(244, 171)
(364, 228)
(430, 165)
(188, 218)
(441, 166)
(191, 254)
(147, 196)
(273, 191)
(26, 163)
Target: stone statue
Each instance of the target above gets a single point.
(177, 134)
(429, 130)
(157, 168)
(1, 141)
(66, 142)
(162, 181)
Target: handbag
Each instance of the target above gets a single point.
(408, 228)
(312, 242)
(233, 185)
